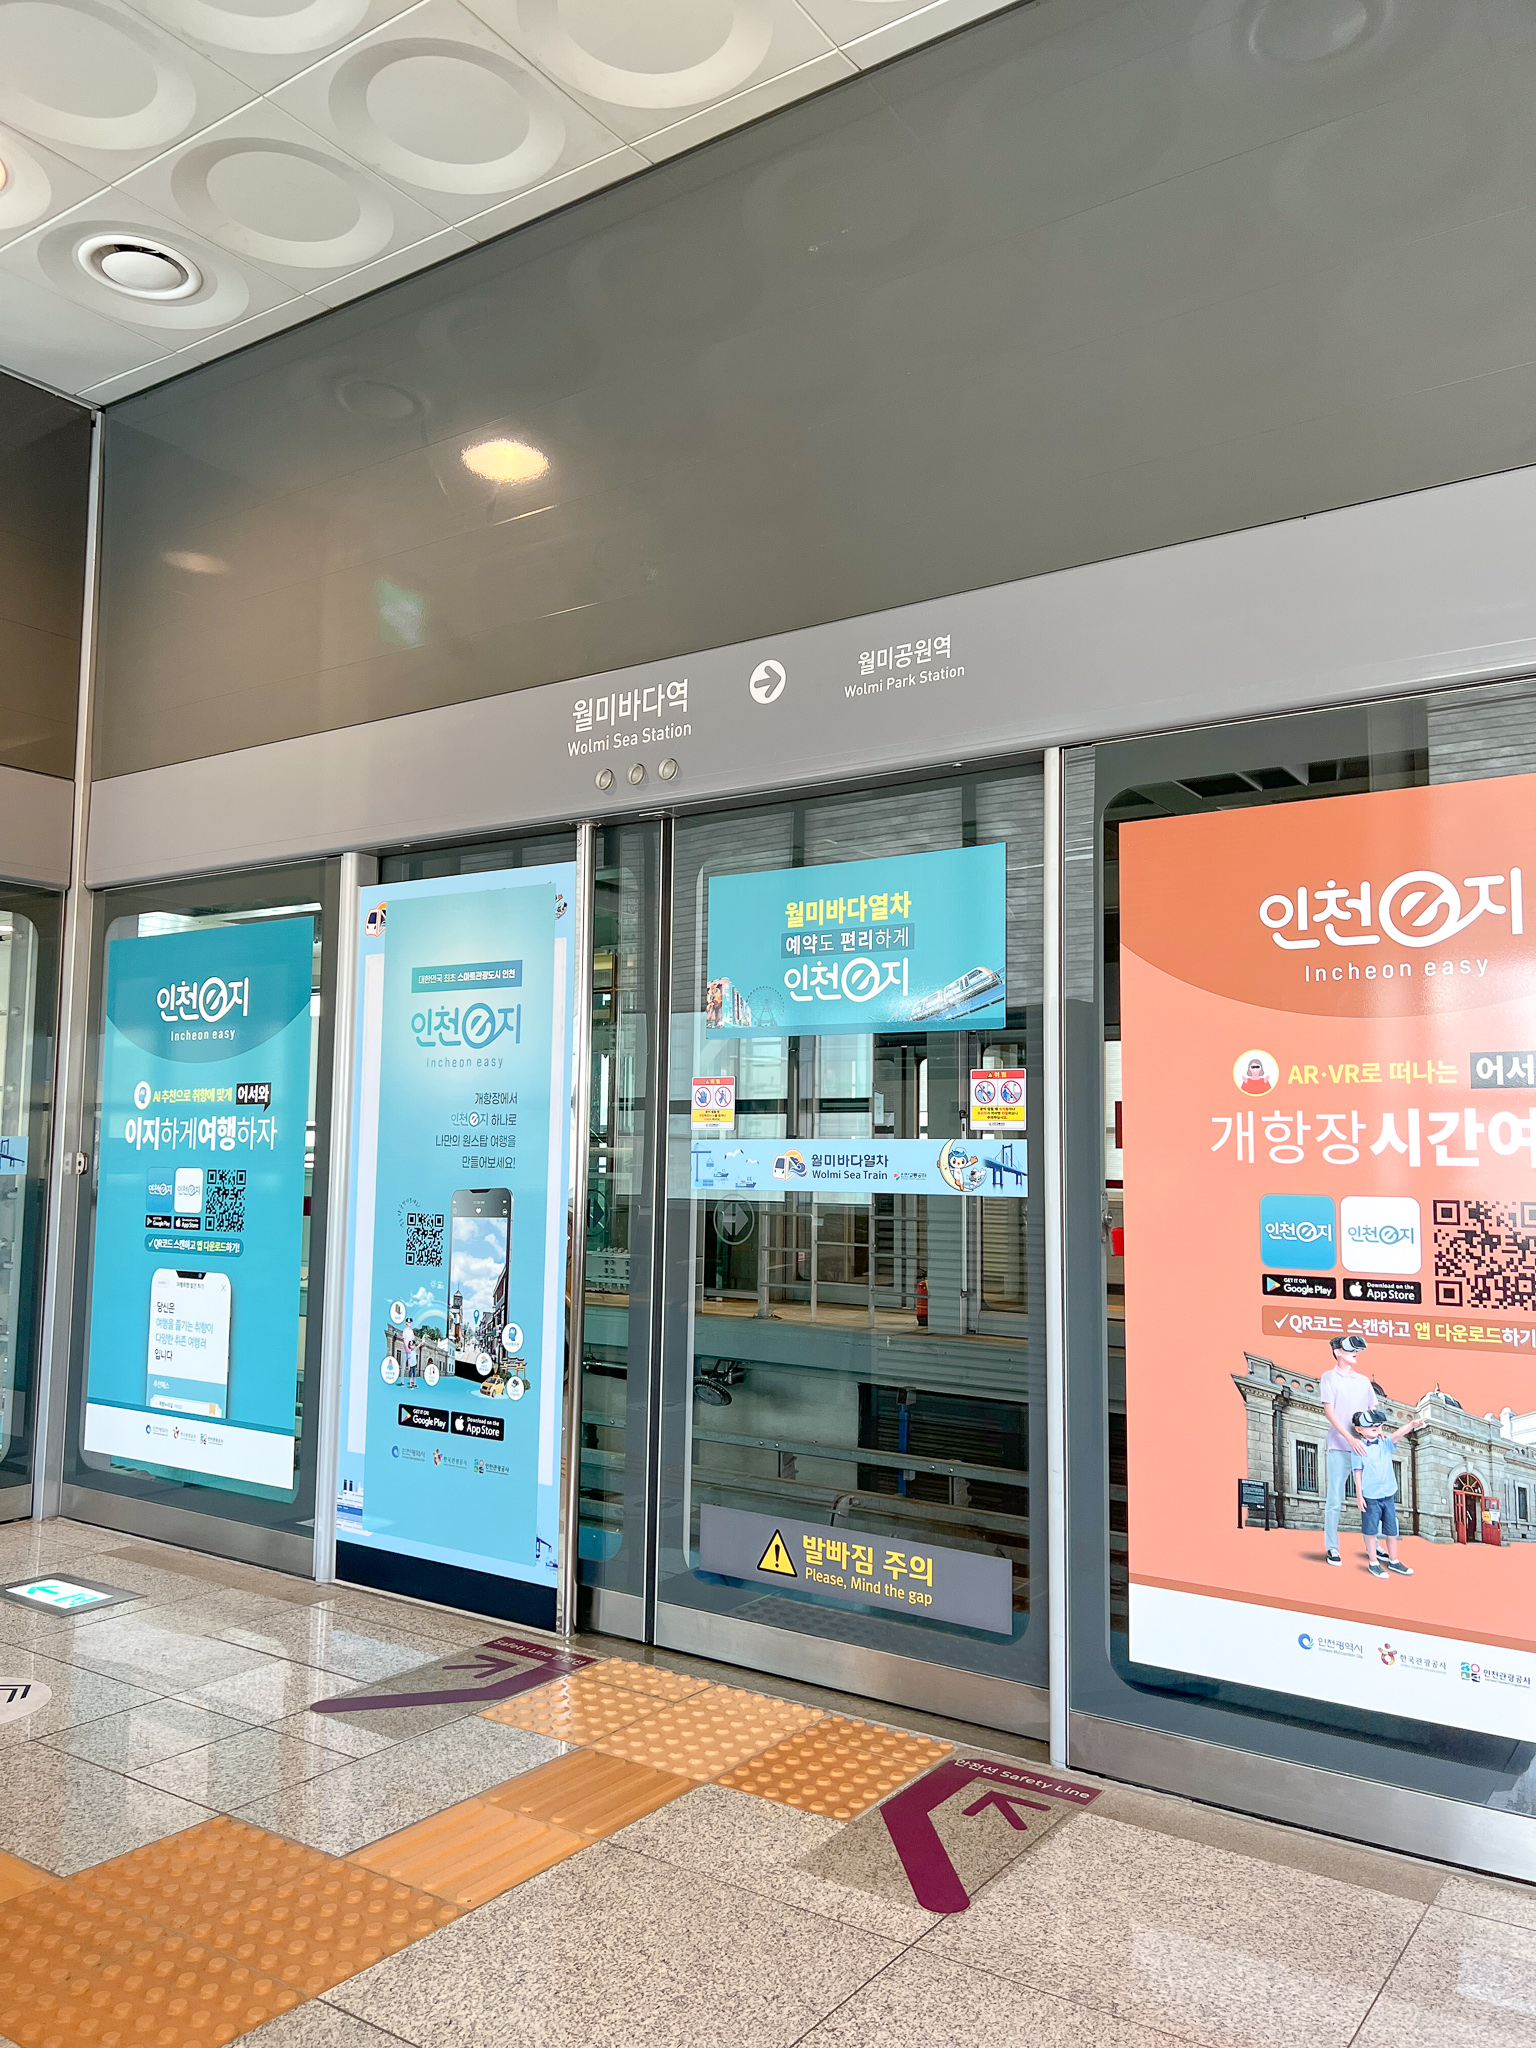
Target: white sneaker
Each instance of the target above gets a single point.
(1333, 1557)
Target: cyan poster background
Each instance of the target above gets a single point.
(956, 919)
(143, 1050)
(440, 1495)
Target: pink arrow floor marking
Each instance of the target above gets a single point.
(934, 1880)
(484, 1664)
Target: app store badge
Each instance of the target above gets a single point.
(1298, 1231)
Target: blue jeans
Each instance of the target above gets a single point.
(1379, 1517)
(1340, 1465)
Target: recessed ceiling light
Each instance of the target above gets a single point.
(505, 462)
(194, 564)
(141, 268)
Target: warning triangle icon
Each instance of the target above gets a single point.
(776, 1558)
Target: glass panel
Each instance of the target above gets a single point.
(1266, 1482)
(283, 1505)
(621, 1208)
(853, 1378)
(413, 865)
(29, 926)
(622, 1168)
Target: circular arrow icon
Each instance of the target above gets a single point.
(767, 683)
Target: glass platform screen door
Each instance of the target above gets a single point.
(853, 1334)
(29, 947)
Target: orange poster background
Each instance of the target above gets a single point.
(1202, 981)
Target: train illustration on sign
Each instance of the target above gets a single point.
(977, 989)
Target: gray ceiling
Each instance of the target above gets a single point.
(288, 155)
(1082, 280)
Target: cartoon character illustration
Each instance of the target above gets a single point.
(964, 1170)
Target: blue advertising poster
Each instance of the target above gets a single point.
(914, 941)
(195, 1290)
(768, 1167)
(455, 1328)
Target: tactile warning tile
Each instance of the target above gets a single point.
(72, 1972)
(573, 1709)
(284, 1911)
(838, 1767)
(471, 1853)
(702, 1737)
(17, 1877)
(588, 1794)
(647, 1678)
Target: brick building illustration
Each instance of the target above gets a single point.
(1462, 1479)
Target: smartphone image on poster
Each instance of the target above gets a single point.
(479, 1251)
(189, 1342)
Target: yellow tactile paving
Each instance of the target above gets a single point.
(471, 1853)
(281, 1910)
(588, 1794)
(703, 1737)
(17, 1877)
(576, 1709)
(838, 1767)
(70, 1976)
(646, 1678)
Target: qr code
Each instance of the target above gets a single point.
(423, 1239)
(224, 1199)
(1485, 1254)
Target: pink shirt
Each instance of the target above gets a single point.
(1347, 1392)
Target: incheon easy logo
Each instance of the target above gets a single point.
(1298, 1232)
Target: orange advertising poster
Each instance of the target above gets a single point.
(1328, 1024)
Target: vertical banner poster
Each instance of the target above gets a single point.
(914, 941)
(455, 1327)
(1329, 1067)
(195, 1291)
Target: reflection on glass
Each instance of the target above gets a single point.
(616, 1328)
(18, 977)
(279, 1507)
(862, 1365)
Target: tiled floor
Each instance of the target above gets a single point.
(647, 1851)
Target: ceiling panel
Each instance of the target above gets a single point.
(419, 256)
(252, 162)
(265, 45)
(37, 185)
(643, 68)
(220, 289)
(269, 190)
(449, 112)
(555, 193)
(45, 337)
(103, 86)
(872, 31)
(827, 69)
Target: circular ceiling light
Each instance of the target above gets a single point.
(1312, 31)
(374, 398)
(5, 176)
(505, 462)
(141, 268)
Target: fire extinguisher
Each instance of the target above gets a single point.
(922, 1304)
